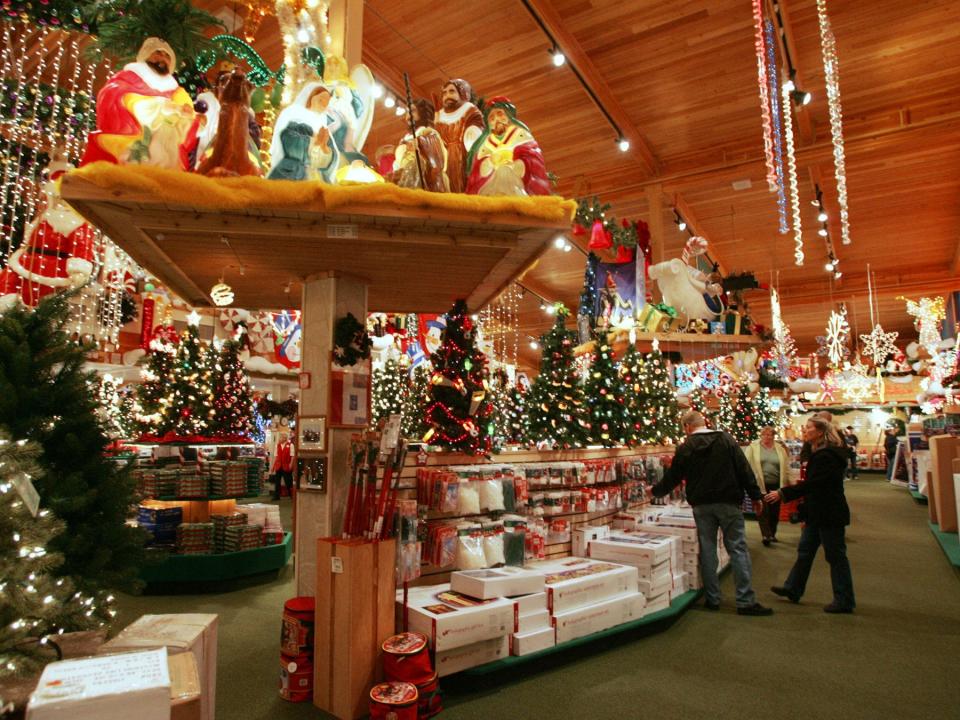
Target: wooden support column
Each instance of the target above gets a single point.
(326, 297)
(657, 234)
(345, 25)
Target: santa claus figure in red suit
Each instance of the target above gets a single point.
(506, 159)
(57, 252)
(143, 116)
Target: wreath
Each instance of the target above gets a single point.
(350, 341)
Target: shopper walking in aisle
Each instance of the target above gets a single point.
(717, 475)
(826, 514)
(890, 443)
(852, 441)
(283, 466)
(771, 467)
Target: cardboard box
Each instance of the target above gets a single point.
(577, 582)
(584, 535)
(654, 586)
(496, 582)
(454, 660)
(646, 547)
(185, 695)
(195, 633)
(533, 621)
(686, 534)
(943, 451)
(655, 604)
(451, 620)
(527, 604)
(605, 614)
(531, 642)
(681, 583)
(105, 687)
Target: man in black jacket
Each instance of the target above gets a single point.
(717, 475)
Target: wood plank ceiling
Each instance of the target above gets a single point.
(681, 78)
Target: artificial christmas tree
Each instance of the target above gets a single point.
(698, 402)
(744, 427)
(155, 378)
(188, 405)
(763, 411)
(389, 390)
(504, 409)
(45, 397)
(555, 407)
(659, 413)
(459, 411)
(232, 398)
(516, 412)
(631, 377)
(116, 407)
(413, 424)
(606, 408)
(34, 601)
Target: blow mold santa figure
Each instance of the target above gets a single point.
(57, 252)
(143, 115)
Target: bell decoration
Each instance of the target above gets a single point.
(624, 254)
(600, 238)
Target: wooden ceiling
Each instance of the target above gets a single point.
(680, 80)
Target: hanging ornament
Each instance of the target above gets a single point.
(927, 313)
(600, 238)
(854, 382)
(834, 344)
(792, 174)
(759, 44)
(784, 224)
(831, 72)
(878, 345)
(221, 294)
(784, 348)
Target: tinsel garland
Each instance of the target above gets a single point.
(777, 139)
(759, 45)
(792, 172)
(831, 72)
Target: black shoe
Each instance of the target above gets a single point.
(755, 609)
(784, 593)
(833, 608)
(713, 607)
(766, 542)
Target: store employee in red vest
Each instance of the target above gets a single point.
(283, 466)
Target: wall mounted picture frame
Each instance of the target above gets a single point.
(312, 433)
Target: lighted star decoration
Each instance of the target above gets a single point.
(879, 345)
(193, 318)
(833, 345)
(927, 313)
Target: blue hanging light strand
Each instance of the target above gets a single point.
(777, 133)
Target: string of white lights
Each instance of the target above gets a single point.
(792, 174)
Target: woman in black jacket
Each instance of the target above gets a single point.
(826, 515)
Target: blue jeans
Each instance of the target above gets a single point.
(729, 519)
(835, 551)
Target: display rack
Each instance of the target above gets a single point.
(222, 566)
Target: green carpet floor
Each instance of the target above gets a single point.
(897, 657)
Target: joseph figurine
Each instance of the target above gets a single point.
(459, 123)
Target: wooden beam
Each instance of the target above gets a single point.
(955, 263)
(390, 75)
(640, 149)
(654, 194)
(345, 26)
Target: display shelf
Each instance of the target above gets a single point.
(919, 497)
(677, 606)
(225, 566)
(949, 542)
(172, 498)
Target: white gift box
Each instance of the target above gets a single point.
(532, 603)
(184, 632)
(583, 536)
(652, 587)
(451, 620)
(107, 687)
(686, 534)
(496, 582)
(681, 583)
(532, 622)
(456, 659)
(533, 641)
(657, 603)
(605, 614)
(576, 582)
(643, 548)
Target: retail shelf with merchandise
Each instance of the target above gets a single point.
(221, 566)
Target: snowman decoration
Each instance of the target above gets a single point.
(57, 252)
(684, 287)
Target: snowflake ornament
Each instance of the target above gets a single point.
(834, 343)
(854, 382)
(879, 345)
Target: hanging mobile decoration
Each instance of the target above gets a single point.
(763, 85)
(834, 344)
(831, 71)
(783, 345)
(927, 313)
(784, 223)
(854, 382)
(792, 172)
(877, 344)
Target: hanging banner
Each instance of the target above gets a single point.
(617, 304)
(287, 331)
(146, 322)
(430, 333)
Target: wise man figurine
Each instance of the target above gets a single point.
(432, 160)
(506, 159)
(460, 124)
(143, 115)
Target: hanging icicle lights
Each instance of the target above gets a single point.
(762, 84)
(784, 223)
(792, 170)
(831, 71)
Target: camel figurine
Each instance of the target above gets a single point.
(233, 152)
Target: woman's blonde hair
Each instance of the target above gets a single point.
(830, 435)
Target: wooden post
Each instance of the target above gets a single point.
(657, 236)
(345, 25)
(326, 298)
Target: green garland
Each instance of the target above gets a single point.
(351, 343)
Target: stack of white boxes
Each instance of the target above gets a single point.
(655, 556)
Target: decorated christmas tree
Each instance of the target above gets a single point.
(555, 408)
(116, 407)
(698, 402)
(659, 412)
(504, 410)
(155, 378)
(188, 404)
(232, 398)
(745, 428)
(764, 413)
(34, 601)
(459, 411)
(389, 390)
(45, 397)
(516, 413)
(607, 412)
(413, 423)
(725, 417)
(632, 378)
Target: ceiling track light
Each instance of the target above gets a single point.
(823, 232)
(623, 144)
(823, 217)
(557, 56)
